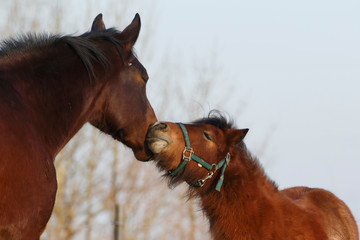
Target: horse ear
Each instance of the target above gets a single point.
(98, 23)
(235, 136)
(131, 33)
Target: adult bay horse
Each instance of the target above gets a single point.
(50, 86)
(237, 197)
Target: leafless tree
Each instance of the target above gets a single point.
(96, 173)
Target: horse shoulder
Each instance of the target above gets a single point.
(27, 178)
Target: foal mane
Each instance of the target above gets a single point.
(217, 119)
(82, 45)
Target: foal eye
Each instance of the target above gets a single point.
(207, 136)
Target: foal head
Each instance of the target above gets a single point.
(125, 112)
(211, 140)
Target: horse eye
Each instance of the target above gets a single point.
(130, 64)
(207, 136)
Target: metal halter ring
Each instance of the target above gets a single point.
(213, 167)
(227, 158)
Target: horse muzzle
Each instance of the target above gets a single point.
(157, 138)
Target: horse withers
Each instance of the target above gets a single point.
(236, 195)
(50, 86)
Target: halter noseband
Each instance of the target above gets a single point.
(188, 154)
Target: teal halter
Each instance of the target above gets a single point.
(188, 154)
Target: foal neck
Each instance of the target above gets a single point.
(240, 204)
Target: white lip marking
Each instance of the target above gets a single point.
(156, 146)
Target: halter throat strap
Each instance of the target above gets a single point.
(188, 154)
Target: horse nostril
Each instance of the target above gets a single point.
(163, 126)
(159, 126)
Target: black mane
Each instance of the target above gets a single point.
(217, 119)
(82, 45)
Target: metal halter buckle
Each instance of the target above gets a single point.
(187, 150)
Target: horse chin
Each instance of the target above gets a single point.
(141, 152)
(157, 145)
(142, 156)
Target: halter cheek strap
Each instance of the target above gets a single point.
(188, 154)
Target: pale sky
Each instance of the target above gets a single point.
(296, 64)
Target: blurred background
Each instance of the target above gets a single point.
(288, 70)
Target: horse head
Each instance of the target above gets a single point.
(124, 111)
(194, 152)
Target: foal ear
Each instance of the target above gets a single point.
(131, 33)
(98, 23)
(235, 136)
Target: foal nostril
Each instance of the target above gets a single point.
(159, 126)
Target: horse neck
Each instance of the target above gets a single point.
(57, 93)
(245, 191)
